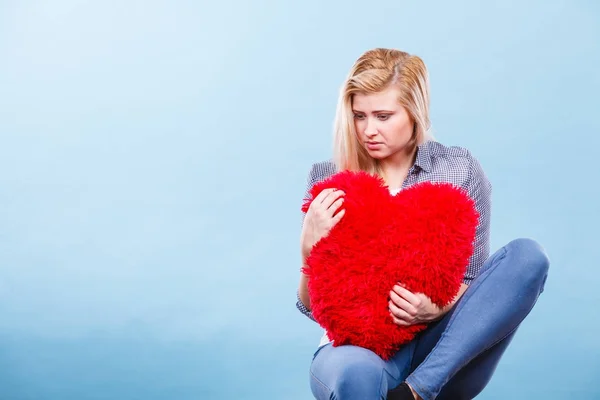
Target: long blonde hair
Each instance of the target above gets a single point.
(374, 71)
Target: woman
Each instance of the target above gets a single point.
(381, 126)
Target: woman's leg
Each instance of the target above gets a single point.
(473, 378)
(466, 345)
(351, 372)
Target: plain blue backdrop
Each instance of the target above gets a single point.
(154, 154)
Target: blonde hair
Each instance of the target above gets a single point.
(374, 71)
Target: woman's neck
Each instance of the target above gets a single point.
(394, 168)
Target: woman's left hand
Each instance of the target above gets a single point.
(409, 308)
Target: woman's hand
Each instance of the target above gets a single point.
(320, 218)
(409, 308)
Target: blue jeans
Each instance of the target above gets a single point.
(455, 357)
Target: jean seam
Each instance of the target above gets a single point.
(416, 384)
(321, 383)
(383, 374)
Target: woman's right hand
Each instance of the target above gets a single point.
(320, 218)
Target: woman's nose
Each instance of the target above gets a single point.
(370, 129)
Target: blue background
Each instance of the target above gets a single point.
(153, 157)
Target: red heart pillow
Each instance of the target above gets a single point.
(422, 237)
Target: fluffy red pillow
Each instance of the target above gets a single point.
(422, 237)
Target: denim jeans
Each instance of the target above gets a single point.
(455, 357)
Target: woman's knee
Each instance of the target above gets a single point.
(359, 376)
(531, 256)
(348, 372)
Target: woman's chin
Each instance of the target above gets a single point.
(377, 154)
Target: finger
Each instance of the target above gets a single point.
(320, 196)
(324, 193)
(335, 205)
(400, 322)
(316, 206)
(331, 197)
(403, 304)
(337, 217)
(406, 294)
(399, 313)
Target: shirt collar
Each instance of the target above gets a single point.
(423, 159)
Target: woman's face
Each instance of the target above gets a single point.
(383, 126)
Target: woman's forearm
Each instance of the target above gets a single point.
(303, 290)
(305, 298)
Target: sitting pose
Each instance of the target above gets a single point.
(382, 127)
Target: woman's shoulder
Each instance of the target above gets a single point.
(319, 171)
(442, 156)
(322, 169)
(456, 164)
(437, 149)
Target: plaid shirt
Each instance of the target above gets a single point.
(438, 163)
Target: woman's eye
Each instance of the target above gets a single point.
(358, 116)
(383, 117)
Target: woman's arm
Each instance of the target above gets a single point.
(316, 223)
(408, 308)
(479, 188)
(303, 291)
